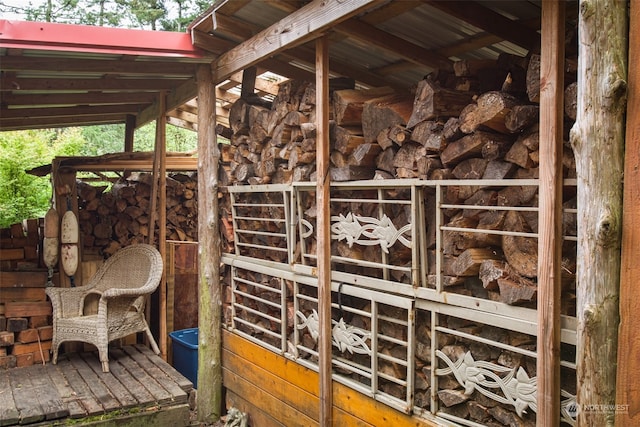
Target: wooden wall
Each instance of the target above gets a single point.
(276, 391)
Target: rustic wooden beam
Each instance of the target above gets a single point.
(129, 130)
(58, 122)
(26, 83)
(248, 81)
(88, 98)
(550, 213)
(628, 376)
(490, 21)
(299, 27)
(411, 52)
(323, 185)
(598, 141)
(30, 113)
(209, 287)
(97, 66)
(161, 144)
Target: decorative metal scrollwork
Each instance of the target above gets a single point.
(344, 337)
(518, 389)
(377, 231)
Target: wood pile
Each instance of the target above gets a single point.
(479, 122)
(120, 217)
(25, 319)
(20, 246)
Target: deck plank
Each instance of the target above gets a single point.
(159, 394)
(50, 401)
(185, 384)
(82, 390)
(77, 388)
(100, 392)
(26, 401)
(115, 387)
(9, 413)
(137, 390)
(159, 375)
(64, 390)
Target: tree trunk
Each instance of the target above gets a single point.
(598, 141)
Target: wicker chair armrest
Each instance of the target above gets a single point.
(68, 302)
(118, 292)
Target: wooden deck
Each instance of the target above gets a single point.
(140, 389)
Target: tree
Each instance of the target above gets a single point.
(21, 195)
(164, 15)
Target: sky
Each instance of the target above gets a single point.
(17, 3)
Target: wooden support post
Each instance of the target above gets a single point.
(628, 378)
(323, 193)
(161, 146)
(129, 131)
(248, 82)
(598, 141)
(550, 212)
(209, 286)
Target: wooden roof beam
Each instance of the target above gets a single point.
(382, 39)
(297, 28)
(59, 122)
(88, 98)
(98, 66)
(490, 21)
(85, 110)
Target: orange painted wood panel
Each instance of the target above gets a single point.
(279, 376)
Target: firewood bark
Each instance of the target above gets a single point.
(383, 112)
(468, 262)
(468, 146)
(521, 252)
(521, 117)
(433, 101)
(348, 104)
(490, 111)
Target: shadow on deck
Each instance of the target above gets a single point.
(140, 389)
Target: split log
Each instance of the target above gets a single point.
(364, 155)
(521, 252)
(347, 139)
(348, 104)
(385, 160)
(533, 78)
(571, 100)
(466, 147)
(490, 111)
(430, 134)
(517, 292)
(351, 173)
(468, 262)
(383, 112)
(521, 117)
(432, 101)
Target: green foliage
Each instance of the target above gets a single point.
(163, 15)
(22, 196)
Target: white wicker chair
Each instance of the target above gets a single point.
(122, 284)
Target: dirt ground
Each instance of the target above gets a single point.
(193, 415)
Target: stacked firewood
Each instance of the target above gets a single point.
(478, 122)
(120, 217)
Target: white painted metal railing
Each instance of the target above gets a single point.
(387, 257)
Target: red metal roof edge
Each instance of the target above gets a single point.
(85, 38)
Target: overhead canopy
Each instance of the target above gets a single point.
(56, 75)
